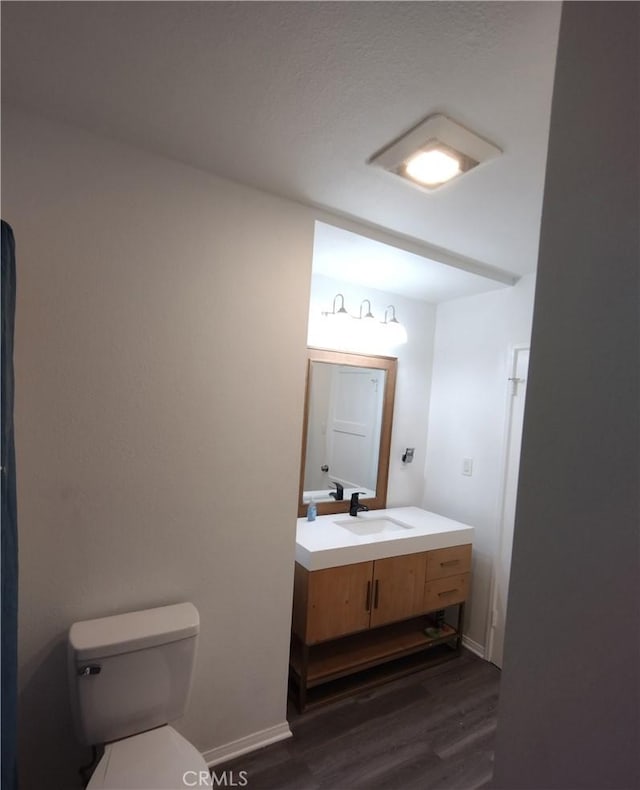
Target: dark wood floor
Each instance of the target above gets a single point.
(433, 730)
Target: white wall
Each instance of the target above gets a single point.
(158, 409)
(413, 385)
(467, 413)
(569, 712)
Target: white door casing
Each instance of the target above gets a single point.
(502, 565)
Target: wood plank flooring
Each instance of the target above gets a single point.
(433, 730)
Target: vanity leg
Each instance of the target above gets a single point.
(302, 685)
(459, 627)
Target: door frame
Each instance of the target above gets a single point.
(512, 353)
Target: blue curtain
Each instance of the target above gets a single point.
(9, 522)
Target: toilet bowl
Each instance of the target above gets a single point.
(130, 676)
(160, 759)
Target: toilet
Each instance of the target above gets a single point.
(130, 675)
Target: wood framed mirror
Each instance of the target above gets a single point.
(346, 436)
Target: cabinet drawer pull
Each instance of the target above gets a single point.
(367, 603)
(449, 562)
(448, 592)
(376, 590)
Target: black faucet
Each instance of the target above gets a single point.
(338, 494)
(356, 506)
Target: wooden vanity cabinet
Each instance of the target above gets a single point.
(332, 602)
(355, 618)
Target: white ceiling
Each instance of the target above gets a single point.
(346, 256)
(294, 98)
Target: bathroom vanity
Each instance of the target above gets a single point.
(368, 593)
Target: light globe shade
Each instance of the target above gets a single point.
(396, 334)
(337, 328)
(369, 334)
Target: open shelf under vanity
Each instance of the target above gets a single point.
(327, 671)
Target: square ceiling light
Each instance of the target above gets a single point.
(434, 152)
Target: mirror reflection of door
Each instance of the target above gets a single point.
(353, 432)
(345, 420)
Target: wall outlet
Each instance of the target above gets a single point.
(467, 466)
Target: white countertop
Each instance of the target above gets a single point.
(325, 544)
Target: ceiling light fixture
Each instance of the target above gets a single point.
(435, 151)
(432, 167)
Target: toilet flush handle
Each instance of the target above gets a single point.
(89, 669)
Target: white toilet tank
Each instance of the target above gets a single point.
(131, 672)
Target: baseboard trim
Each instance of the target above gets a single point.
(249, 743)
(473, 646)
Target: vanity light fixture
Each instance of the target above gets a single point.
(397, 334)
(337, 324)
(340, 313)
(364, 328)
(434, 152)
(368, 319)
(368, 314)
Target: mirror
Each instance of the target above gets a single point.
(347, 430)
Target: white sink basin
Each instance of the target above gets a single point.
(371, 526)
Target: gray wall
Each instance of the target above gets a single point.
(159, 402)
(570, 698)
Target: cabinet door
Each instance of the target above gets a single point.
(398, 588)
(339, 601)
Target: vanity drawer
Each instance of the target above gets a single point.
(448, 562)
(441, 593)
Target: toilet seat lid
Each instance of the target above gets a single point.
(159, 759)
